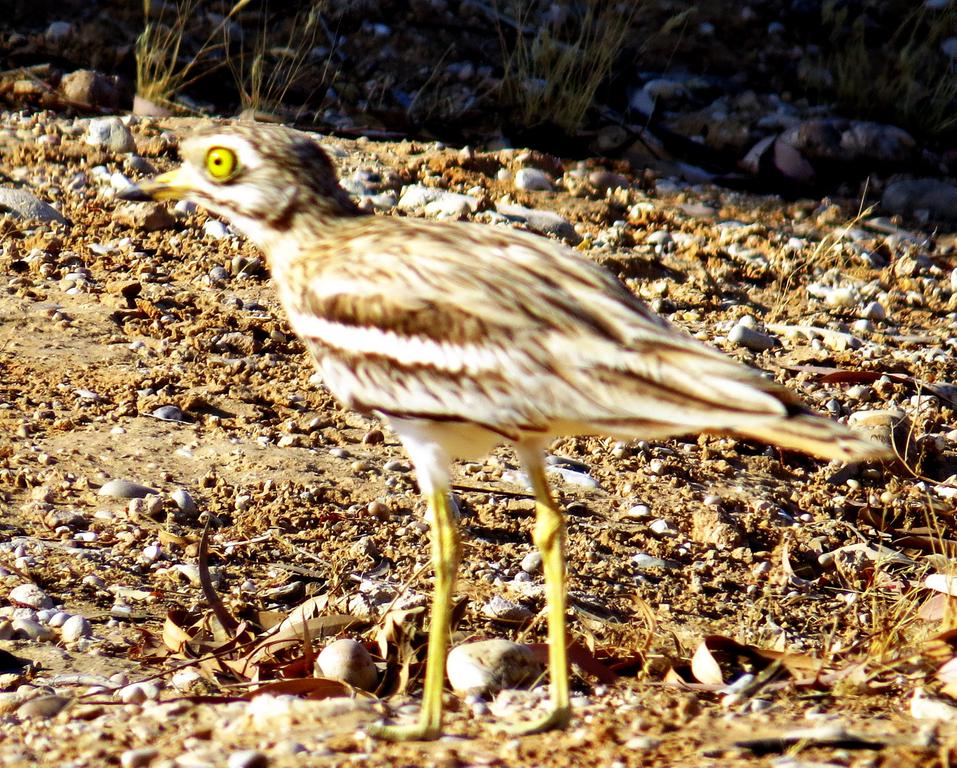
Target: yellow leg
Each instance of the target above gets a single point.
(549, 537)
(445, 559)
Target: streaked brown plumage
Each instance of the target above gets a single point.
(464, 337)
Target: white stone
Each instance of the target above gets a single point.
(532, 562)
(874, 311)
(31, 629)
(503, 609)
(216, 229)
(111, 134)
(746, 337)
(247, 758)
(660, 526)
(137, 693)
(532, 179)
(30, 595)
(124, 489)
(74, 628)
(183, 500)
(487, 666)
(349, 661)
(138, 758)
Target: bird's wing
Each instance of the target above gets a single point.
(461, 322)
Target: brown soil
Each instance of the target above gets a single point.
(82, 370)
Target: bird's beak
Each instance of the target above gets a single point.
(167, 186)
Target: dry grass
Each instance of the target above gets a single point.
(163, 67)
(894, 71)
(278, 65)
(554, 68)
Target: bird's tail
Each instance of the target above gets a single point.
(816, 435)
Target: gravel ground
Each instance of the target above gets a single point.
(732, 605)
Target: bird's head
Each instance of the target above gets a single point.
(262, 178)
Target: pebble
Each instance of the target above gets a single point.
(573, 476)
(638, 511)
(660, 526)
(348, 660)
(121, 610)
(216, 229)
(183, 501)
(25, 205)
(30, 595)
(125, 489)
(110, 133)
(42, 707)
(880, 424)
(58, 619)
(184, 679)
(168, 413)
(147, 217)
(436, 202)
(859, 392)
(451, 205)
(138, 758)
(30, 629)
(137, 693)
(937, 198)
(9, 701)
(532, 562)
(605, 180)
(247, 758)
(532, 179)
(190, 572)
(749, 338)
(506, 610)
(546, 222)
(74, 628)
(874, 311)
(58, 30)
(643, 561)
(487, 666)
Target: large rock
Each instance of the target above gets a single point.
(937, 198)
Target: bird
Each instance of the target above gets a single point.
(462, 337)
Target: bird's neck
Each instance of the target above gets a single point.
(284, 236)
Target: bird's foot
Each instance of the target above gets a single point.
(424, 730)
(557, 719)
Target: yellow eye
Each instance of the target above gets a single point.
(221, 163)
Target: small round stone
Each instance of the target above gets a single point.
(874, 311)
(532, 179)
(247, 758)
(746, 337)
(485, 667)
(125, 489)
(183, 501)
(506, 610)
(30, 629)
(42, 707)
(30, 595)
(215, 229)
(74, 628)
(532, 562)
(168, 413)
(137, 693)
(349, 661)
(138, 758)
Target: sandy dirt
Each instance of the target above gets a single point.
(103, 322)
